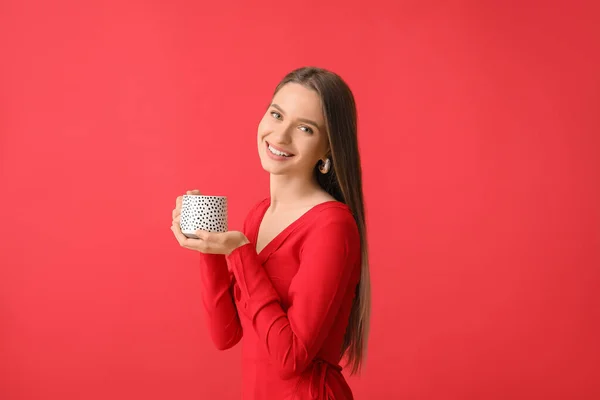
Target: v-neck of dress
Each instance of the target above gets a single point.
(280, 237)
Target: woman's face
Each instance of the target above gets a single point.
(291, 135)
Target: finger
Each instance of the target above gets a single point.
(210, 241)
(175, 213)
(176, 235)
(176, 220)
(193, 192)
(178, 202)
(204, 235)
(188, 243)
(181, 238)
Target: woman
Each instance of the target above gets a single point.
(295, 282)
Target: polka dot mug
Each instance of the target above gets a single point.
(208, 213)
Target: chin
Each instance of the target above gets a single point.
(273, 169)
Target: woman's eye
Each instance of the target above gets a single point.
(306, 129)
(275, 115)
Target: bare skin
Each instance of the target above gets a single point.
(293, 188)
(291, 139)
(276, 220)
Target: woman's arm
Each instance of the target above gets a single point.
(217, 295)
(329, 258)
(222, 317)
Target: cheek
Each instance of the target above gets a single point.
(312, 150)
(323, 144)
(263, 127)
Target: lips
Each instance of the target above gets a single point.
(289, 153)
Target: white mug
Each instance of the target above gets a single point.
(208, 213)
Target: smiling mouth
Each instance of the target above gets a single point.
(278, 152)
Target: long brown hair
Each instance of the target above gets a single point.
(344, 183)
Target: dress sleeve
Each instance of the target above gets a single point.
(220, 310)
(217, 296)
(329, 255)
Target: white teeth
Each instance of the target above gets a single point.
(277, 152)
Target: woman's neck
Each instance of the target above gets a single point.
(291, 192)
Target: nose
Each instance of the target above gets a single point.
(281, 135)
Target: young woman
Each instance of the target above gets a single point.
(295, 282)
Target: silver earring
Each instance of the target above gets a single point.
(324, 167)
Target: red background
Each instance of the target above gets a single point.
(479, 134)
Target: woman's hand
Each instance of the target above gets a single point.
(211, 242)
(207, 242)
(177, 209)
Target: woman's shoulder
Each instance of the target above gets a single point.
(331, 225)
(259, 205)
(255, 212)
(333, 212)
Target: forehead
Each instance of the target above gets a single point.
(299, 101)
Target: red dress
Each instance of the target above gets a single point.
(291, 303)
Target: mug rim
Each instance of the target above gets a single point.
(203, 195)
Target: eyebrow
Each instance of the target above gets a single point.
(307, 121)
